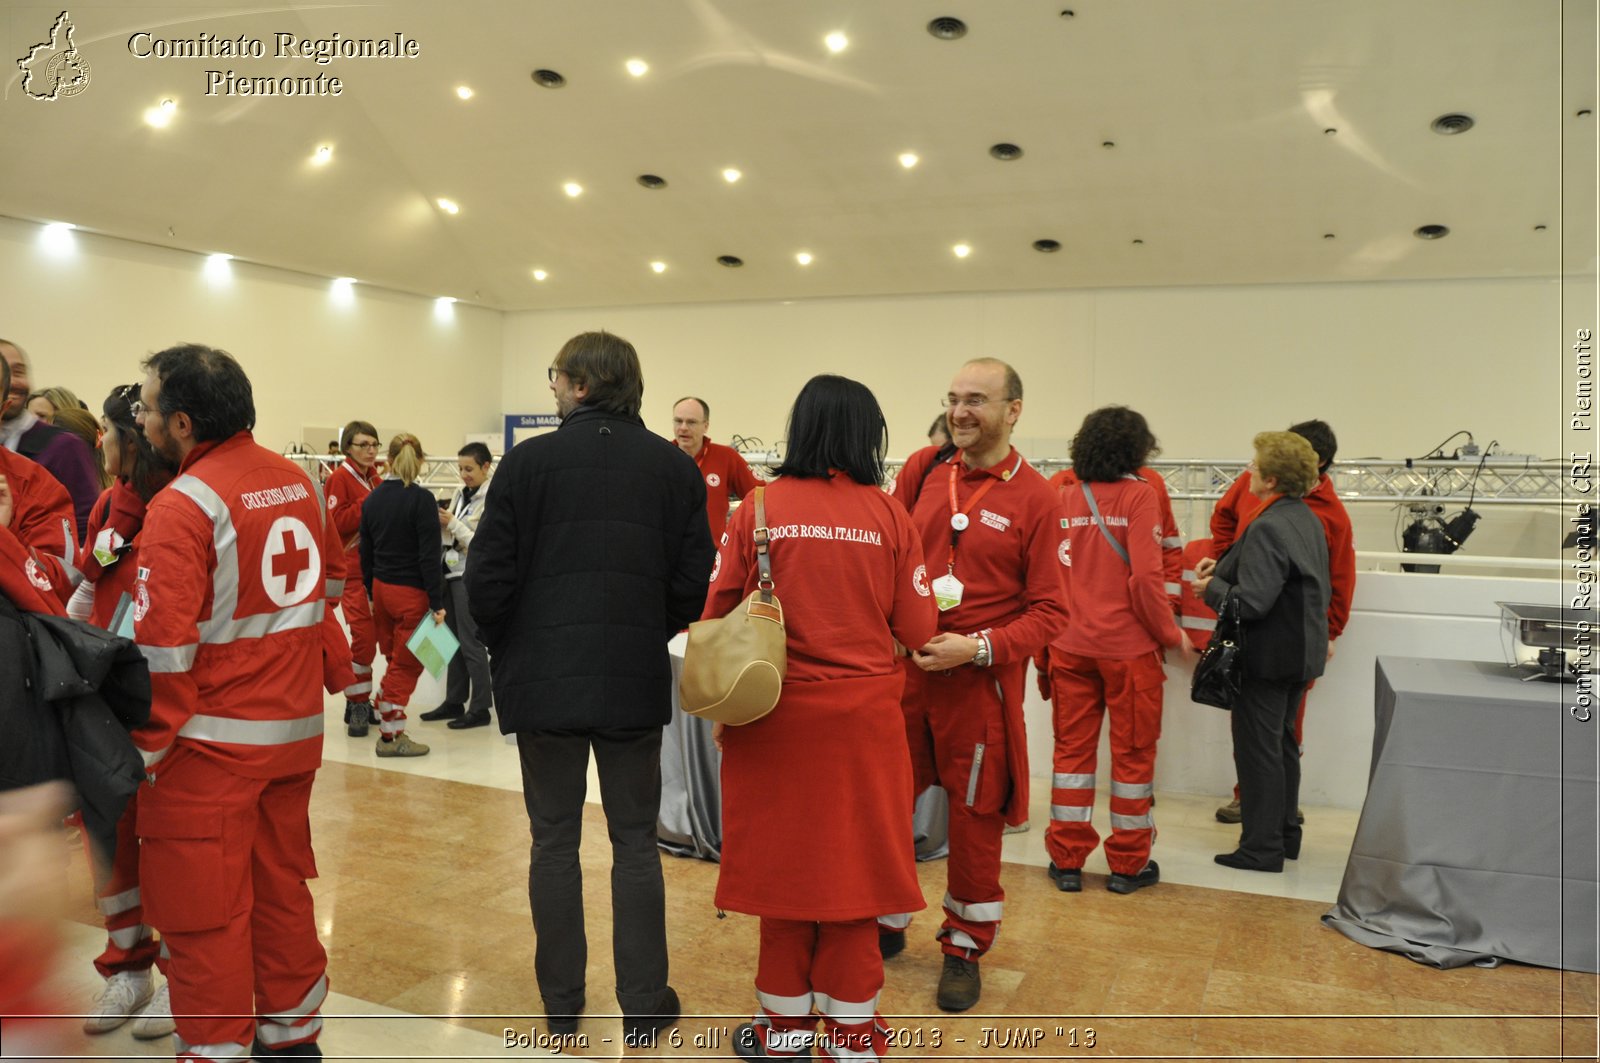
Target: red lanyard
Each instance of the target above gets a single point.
(958, 516)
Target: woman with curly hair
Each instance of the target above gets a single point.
(1277, 575)
(1108, 661)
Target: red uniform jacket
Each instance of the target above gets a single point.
(1116, 609)
(41, 541)
(111, 581)
(1238, 507)
(228, 609)
(726, 475)
(347, 490)
(1171, 537)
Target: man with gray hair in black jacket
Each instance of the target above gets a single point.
(593, 551)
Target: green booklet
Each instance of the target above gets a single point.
(433, 644)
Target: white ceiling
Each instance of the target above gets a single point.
(1216, 109)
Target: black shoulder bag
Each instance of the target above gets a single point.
(1219, 674)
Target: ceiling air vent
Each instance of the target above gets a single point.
(1432, 232)
(1047, 246)
(548, 79)
(947, 28)
(1006, 152)
(731, 261)
(650, 180)
(1448, 125)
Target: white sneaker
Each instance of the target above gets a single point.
(125, 993)
(156, 1019)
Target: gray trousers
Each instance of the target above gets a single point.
(472, 663)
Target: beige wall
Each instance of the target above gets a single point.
(87, 318)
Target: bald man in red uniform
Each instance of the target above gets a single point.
(724, 469)
(991, 529)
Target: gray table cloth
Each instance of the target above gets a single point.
(1477, 839)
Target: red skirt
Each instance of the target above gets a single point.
(816, 806)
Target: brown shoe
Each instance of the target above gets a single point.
(959, 984)
(401, 746)
(1230, 813)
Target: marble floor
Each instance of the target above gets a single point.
(422, 906)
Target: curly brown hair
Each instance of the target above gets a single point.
(1289, 458)
(1112, 442)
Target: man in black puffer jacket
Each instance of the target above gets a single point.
(593, 551)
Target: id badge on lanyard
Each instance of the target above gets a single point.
(947, 589)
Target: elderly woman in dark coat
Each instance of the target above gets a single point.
(1277, 574)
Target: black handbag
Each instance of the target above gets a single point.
(1219, 674)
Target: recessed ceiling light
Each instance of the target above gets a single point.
(650, 180)
(803, 257)
(637, 67)
(464, 92)
(658, 267)
(731, 175)
(539, 274)
(908, 159)
(731, 261)
(56, 238)
(449, 206)
(323, 155)
(343, 290)
(444, 308)
(217, 268)
(836, 42)
(1048, 246)
(947, 28)
(1448, 125)
(548, 79)
(961, 250)
(1431, 232)
(1005, 152)
(573, 189)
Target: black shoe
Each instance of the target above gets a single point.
(959, 984)
(639, 1031)
(562, 1021)
(747, 1043)
(355, 718)
(1131, 883)
(1067, 879)
(448, 711)
(1236, 860)
(305, 1050)
(476, 718)
(891, 942)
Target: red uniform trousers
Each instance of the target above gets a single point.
(225, 862)
(1083, 690)
(130, 945)
(1299, 727)
(956, 733)
(396, 612)
(363, 638)
(834, 968)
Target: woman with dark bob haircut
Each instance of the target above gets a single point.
(830, 764)
(1277, 575)
(1108, 661)
(109, 561)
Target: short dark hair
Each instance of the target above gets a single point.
(836, 423)
(705, 407)
(478, 452)
(609, 367)
(151, 470)
(940, 423)
(1112, 442)
(1322, 440)
(207, 384)
(350, 431)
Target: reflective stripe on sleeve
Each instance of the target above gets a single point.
(1072, 782)
(251, 732)
(1172, 542)
(1132, 790)
(169, 659)
(333, 588)
(1071, 813)
(898, 921)
(118, 903)
(1198, 623)
(1144, 822)
(977, 911)
(1173, 588)
(151, 759)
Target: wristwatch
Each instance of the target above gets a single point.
(982, 658)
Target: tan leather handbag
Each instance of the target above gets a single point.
(733, 667)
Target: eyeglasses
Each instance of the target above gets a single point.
(364, 446)
(553, 371)
(976, 402)
(136, 407)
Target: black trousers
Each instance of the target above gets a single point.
(1268, 762)
(554, 769)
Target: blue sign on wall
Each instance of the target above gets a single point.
(524, 424)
